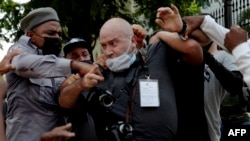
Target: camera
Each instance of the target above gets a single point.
(103, 98)
(120, 132)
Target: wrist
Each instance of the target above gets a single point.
(183, 31)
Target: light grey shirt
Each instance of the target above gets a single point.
(33, 92)
(214, 93)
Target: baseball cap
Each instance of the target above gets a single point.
(75, 42)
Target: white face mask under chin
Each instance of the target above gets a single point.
(121, 62)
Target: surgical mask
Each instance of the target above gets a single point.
(52, 46)
(121, 62)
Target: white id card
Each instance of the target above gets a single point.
(149, 93)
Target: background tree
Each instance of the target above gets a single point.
(83, 18)
(245, 19)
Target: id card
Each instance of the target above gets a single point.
(149, 93)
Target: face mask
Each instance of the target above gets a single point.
(52, 46)
(121, 62)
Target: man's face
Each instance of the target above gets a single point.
(114, 45)
(47, 29)
(79, 54)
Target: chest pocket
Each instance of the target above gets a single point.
(47, 90)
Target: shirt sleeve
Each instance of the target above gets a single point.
(242, 57)
(38, 66)
(214, 31)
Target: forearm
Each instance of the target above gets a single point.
(232, 81)
(38, 66)
(69, 95)
(190, 49)
(81, 67)
(214, 31)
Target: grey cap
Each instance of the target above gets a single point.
(37, 17)
(75, 42)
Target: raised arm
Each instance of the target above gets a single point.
(171, 20)
(190, 49)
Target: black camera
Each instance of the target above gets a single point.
(120, 132)
(98, 96)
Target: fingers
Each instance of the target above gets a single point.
(101, 60)
(91, 78)
(164, 10)
(174, 8)
(63, 131)
(68, 81)
(95, 74)
(5, 64)
(13, 53)
(160, 22)
(95, 70)
(66, 127)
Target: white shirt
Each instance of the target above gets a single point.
(217, 33)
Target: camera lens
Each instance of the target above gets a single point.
(106, 100)
(125, 128)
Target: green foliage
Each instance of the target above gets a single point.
(244, 20)
(84, 18)
(149, 7)
(11, 13)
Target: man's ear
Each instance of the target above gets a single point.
(29, 33)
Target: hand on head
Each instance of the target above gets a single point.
(234, 37)
(140, 34)
(5, 64)
(169, 18)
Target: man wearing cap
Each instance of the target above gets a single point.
(34, 84)
(77, 49)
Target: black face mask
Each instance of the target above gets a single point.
(52, 46)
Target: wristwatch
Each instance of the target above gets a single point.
(183, 30)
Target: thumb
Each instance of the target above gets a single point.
(67, 126)
(12, 67)
(160, 22)
(94, 69)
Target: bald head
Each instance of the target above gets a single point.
(117, 26)
(117, 37)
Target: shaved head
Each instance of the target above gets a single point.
(116, 25)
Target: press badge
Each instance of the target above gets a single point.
(149, 93)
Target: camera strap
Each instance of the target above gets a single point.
(134, 84)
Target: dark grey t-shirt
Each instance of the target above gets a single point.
(149, 123)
